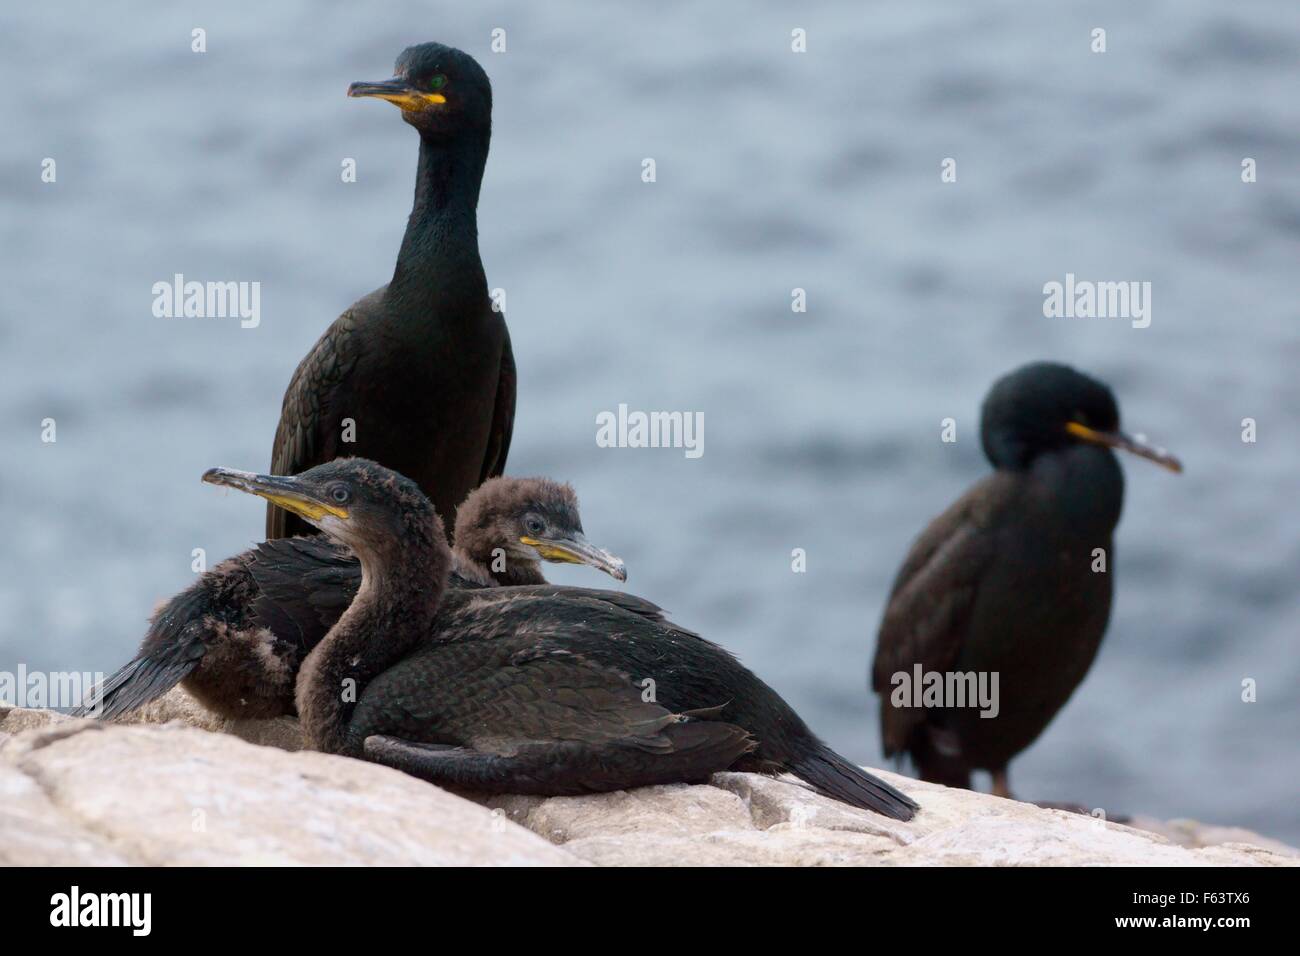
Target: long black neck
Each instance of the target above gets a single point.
(439, 264)
(1088, 487)
(393, 610)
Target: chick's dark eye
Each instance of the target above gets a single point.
(533, 525)
(340, 494)
(437, 81)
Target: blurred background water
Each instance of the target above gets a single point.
(775, 170)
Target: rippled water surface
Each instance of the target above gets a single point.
(775, 171)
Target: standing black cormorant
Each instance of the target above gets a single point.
(523, 690)
(418, 374)
(1010, 580)
(236, 637)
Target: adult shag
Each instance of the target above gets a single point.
(1014, 579)
(418, 374)
(236, 637)
(516, 690)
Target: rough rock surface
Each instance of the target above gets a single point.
(82, 793)
(747, 819)
(175, 786)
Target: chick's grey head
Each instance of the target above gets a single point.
(527, 520)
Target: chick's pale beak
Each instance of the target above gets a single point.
(291, 494)
(1127, 443)
(576, 549)
(399, 92)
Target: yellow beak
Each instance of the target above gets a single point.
(287, 492)
(400, 93)
(1124, 442)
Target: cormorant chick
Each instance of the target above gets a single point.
(509, 525)
(522, 690)
(1013, 580)
(418, 374)
(236, 637)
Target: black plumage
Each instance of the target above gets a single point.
(1007, 581)
(418, 374)
(513, 690)
(236, 637)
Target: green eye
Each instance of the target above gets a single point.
(438, 82)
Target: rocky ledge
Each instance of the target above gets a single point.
(179, 786)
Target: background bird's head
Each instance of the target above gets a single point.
(440, 90)
(1044, 407)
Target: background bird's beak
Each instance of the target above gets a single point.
(578, 550)
(1125, 443)
(400, 93)
(289, 493)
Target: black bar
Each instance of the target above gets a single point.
(209, 906)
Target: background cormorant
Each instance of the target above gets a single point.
(420, 371)
(236, 637)
(1007, 580)
(523, 690)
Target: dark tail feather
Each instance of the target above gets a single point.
(832, 775)
(705, 747)
(134, 685)
(171, 650)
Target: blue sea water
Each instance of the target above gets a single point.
(775, 171)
